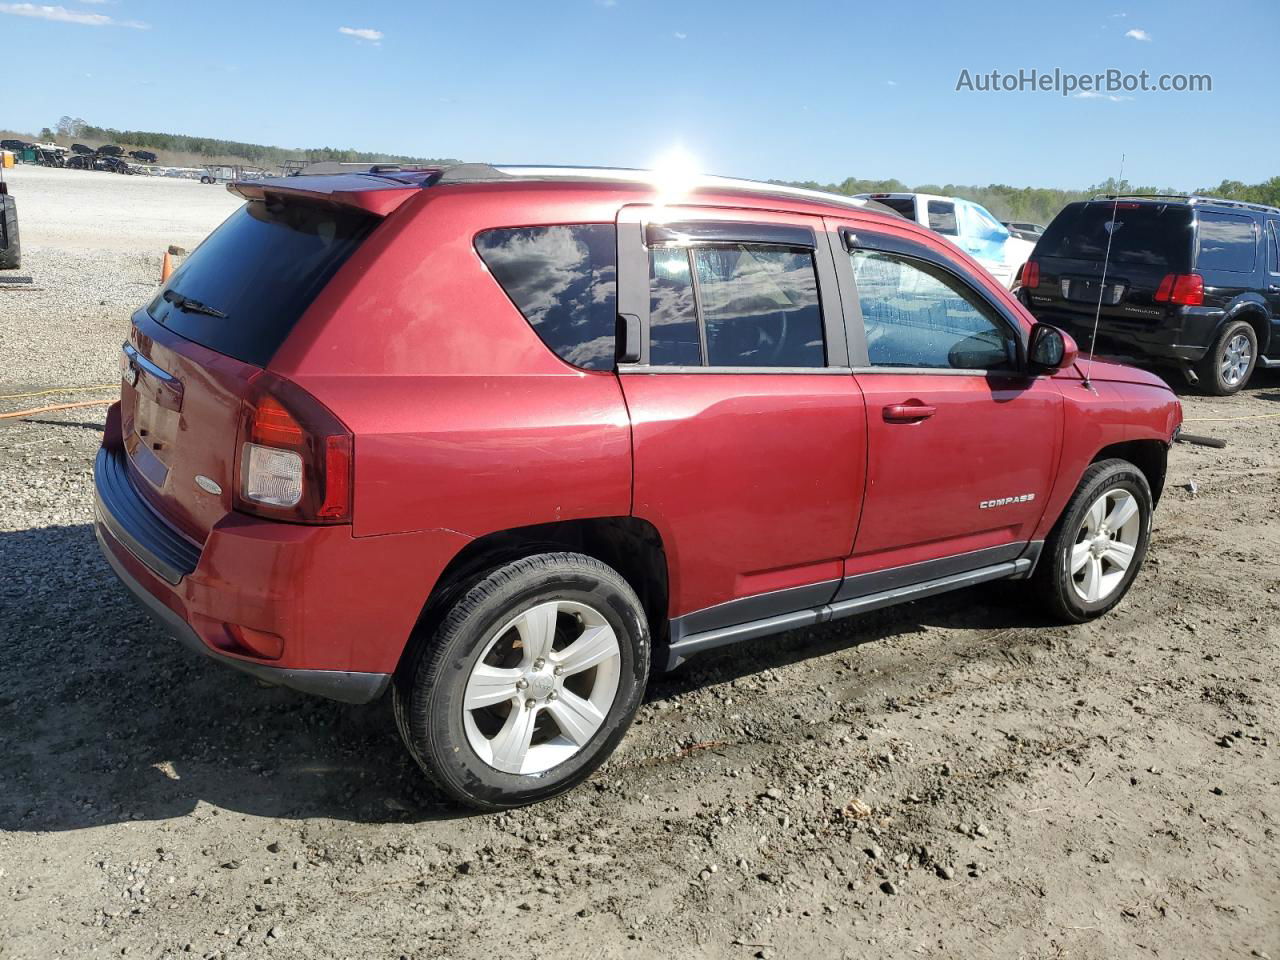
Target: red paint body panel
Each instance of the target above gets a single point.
(989, 438)
(753, 481)
(338, 601)
(168, 448)
(466, 424)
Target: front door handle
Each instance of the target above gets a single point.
(908, 412)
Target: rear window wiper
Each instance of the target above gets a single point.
(189, 305)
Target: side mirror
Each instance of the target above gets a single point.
(1051, 348)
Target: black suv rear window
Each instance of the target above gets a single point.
(564, 280)
(262, 268)
(1153, 234)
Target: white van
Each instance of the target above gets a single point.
(966, 224)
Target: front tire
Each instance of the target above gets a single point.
(1230, 361)
(528, 684)
(1097, 548)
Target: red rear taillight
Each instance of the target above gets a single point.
(293, 456)
(1031, 274)
(1183, 289)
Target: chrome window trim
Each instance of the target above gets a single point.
(633, 368)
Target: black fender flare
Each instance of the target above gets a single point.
(1249, 304)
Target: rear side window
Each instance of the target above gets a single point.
(1157, 235)
(734, 305)
(1275, 246)
(564, 280)
(942, 218)
(260, 270)
(1226, 243)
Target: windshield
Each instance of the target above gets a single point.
(243, 289)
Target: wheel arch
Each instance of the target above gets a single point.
(629, 545)
(1149, 456)
(1254, 313)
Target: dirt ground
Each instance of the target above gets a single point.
(953, 778)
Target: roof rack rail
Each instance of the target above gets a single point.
(484, 172)
(1189, 198)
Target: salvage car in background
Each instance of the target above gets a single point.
(1191, 281)
(968, 225)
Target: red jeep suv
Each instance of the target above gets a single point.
(503, 439)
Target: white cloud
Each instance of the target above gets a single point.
(681, 36)
(1095, 95)
(607, 3)
(63, 15)
(891, 83)
(1136, 34)
(363, 33)
(1118, 16)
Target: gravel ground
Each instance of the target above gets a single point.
(951, 778)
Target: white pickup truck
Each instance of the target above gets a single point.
(966, 224)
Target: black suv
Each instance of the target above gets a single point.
(1192, 281)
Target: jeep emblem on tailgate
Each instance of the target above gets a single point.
(207, 485)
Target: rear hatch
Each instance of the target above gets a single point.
(196, 348)
(1148, 240)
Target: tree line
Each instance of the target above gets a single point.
(1041, 204)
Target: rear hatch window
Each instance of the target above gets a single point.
(903, 205)
(1146, 234)
(243, 289)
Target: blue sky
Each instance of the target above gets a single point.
(797, 90)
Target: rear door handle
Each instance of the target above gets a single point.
(908, 412)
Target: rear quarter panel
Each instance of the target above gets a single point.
(464, 420)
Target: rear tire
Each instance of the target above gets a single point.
(1230, 361)
(1098, 545)
(528, 683)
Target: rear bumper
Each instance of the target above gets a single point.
(1183, 338)
(275, 578)
(347, 686)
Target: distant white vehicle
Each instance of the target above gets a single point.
(970, 226)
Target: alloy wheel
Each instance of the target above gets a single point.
(1105, 545)
(542, 688)
(1235, 360)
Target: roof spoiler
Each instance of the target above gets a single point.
(377, 195)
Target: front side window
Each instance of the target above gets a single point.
(1226, 243)
(917, 315)
(942, 218)
(564, 280)
(734, 305)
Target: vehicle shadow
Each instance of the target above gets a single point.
(991, 607)
(104, 719)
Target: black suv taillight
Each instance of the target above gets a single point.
(293, 456)
(1031, 274)
(1183, 289)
